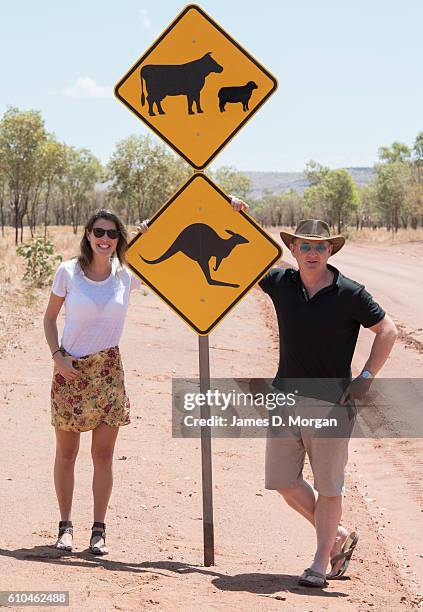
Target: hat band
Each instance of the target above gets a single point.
(313, 236)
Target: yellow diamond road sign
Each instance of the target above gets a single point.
(195, 87)
(199, 255)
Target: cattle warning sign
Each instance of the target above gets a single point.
(195, 87)
(199, 255)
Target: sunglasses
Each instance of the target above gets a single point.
(320, 248)
(112, 233)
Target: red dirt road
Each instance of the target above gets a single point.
(154, 521)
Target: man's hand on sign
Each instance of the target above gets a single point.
(142, 228)
(357, 389)
(238, 204)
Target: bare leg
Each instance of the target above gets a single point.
(301, 498)
(67, 446)
(327, 515)
(304, 499)
(102, 448)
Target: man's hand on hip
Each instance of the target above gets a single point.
(357, 389)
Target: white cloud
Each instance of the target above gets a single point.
(84, 87)
(147, 23)
(145, 19)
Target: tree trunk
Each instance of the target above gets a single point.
(16, 211)
(21, 226)
(2, 213)
(46, 203)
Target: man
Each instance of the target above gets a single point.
(319, 313)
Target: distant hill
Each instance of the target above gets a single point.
(279, 182)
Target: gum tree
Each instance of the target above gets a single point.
(21, 137)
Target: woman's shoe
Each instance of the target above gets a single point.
(98, 529)
(64, 527)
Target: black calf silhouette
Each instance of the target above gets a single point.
(176, 80)
(236, 94)
(200, 243)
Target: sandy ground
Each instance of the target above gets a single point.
(154, 521)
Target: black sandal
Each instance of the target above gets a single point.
(64, 527)
(98, 529)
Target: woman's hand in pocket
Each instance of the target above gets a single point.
(64, 365)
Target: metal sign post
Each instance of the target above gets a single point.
(206, 457)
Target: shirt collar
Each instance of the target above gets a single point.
(336, 277)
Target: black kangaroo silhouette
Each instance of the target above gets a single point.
(176, 80)
(200, 243)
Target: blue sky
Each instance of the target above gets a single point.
(350, 76)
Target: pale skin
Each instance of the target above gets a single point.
(103, 436)
(323, 512)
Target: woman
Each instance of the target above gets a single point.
(88, 388)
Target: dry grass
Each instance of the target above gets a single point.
(382, 236)
(20, 304)
(12, 266)
(377, 237)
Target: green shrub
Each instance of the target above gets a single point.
(40, 261)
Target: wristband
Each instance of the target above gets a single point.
(56, 351)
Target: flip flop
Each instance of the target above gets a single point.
(346, 554)
(304, 580)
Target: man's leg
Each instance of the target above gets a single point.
(302, 498)
(327, 516)
(289, 452)
(305, 500)
(328, 459)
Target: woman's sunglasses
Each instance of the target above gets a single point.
(112, 233)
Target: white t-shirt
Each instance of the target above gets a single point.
(94, 310)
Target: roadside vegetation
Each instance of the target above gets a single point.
(45, 183)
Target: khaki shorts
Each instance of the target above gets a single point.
(328, 456)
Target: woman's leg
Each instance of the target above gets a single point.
(102, 447)
(67, 446)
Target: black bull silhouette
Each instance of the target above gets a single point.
(200, 243)
(176, 80)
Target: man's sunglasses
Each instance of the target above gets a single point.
(99, 233)
(306, 247)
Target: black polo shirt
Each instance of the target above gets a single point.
(317, 336)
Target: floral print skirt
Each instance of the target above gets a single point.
(97, 395)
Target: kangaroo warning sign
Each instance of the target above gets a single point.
(195, 87)
(199, 255)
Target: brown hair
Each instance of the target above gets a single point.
(86, 254)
